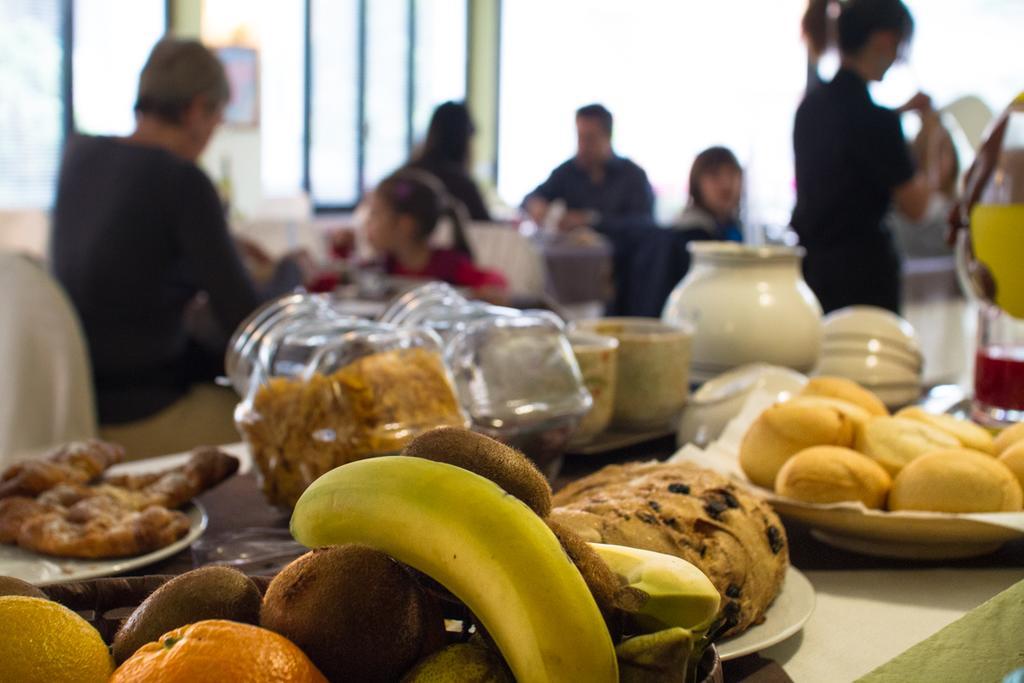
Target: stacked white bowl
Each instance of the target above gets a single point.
(875, 348)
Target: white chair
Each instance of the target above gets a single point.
(46, 394)
(283, 224)
(26, 231)
(504, 249)
(972, 116)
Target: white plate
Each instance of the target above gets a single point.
(42, 569)
(787, 615)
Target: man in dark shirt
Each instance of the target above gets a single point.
(852, 161)
(600, 189)
(139, 231)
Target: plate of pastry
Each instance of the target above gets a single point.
(77, 514)
(914, 484)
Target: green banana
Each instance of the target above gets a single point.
(679, 594)
(484, 545)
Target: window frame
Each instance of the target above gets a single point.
(361, 121)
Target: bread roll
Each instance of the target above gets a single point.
(956, 480)
(1009, 436)
(831, 474)
(788, 428)
(893, 442)
(846, 390)
(966, 432)
(859, 416)
(1013, 457)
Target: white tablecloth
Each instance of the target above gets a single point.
(864, 618)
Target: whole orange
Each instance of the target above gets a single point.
(43, 642)
(218, 651)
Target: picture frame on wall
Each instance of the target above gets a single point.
(241, 64)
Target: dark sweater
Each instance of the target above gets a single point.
(137, 233)
(624, 197)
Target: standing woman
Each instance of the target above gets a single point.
(445, 155)
(852, 161)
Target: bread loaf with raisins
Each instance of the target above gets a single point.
(693, 513)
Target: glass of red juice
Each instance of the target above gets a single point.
(999, 368)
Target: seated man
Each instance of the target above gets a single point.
(139, 236)
(599, 188)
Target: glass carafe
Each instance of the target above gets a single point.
(990, 263)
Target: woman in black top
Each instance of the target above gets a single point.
(445, 154)
(852, 161)
(139, 233)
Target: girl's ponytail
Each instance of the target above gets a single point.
(456, 213)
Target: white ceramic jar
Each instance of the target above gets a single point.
(746, 305)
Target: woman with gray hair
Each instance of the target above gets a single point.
(139, 236)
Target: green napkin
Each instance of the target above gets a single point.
(985, 644)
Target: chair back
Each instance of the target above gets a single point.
(26, 231)
(46, 394)
(505, 249)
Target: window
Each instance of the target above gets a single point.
(31, 101)
(50, 49)
(282, 62)
(379, 68)
(681, 76)
(439, 71)
(106, 62)
(984, 62)
(678, 77)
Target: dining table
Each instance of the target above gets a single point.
(867, 609)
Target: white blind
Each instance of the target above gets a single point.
(31, 107)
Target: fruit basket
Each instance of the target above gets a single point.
(107, 602)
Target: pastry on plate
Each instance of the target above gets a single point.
(123, 516)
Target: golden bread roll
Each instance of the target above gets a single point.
(788, 428)
(956, 480)
(966, 432)
(832, 474)
(893, 442)
(846, 390)
(1009, 436)
(1013, 457)
(858, 415)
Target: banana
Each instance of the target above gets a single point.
(679, 594)
(484, 545)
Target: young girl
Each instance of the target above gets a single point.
(405, 209)
(716, 185)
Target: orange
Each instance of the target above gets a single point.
(218, 651)
(42, 641)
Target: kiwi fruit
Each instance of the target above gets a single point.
(205, 593)
(502, 464)
(358, 614)
(12, 586)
